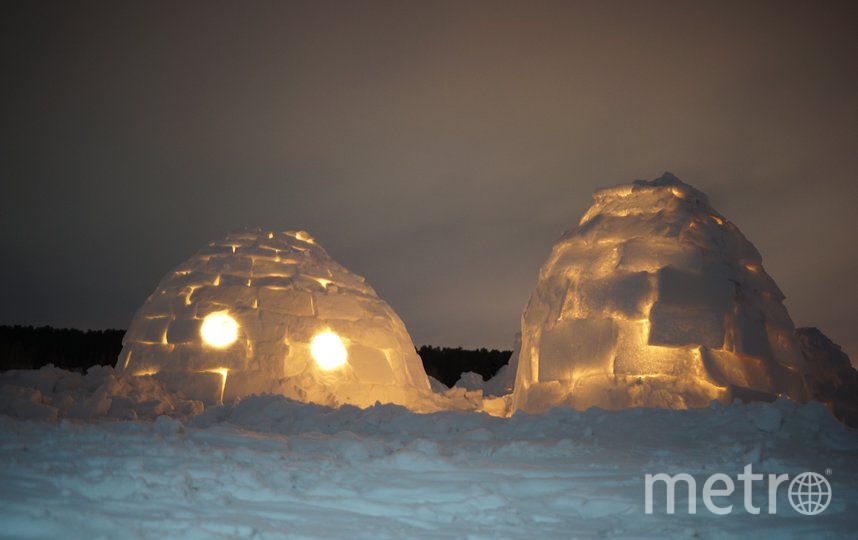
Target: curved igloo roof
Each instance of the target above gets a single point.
(655, 299)
(271, 294)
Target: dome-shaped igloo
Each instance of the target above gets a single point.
(655, 300)
(272, 312)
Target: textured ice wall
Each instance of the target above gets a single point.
(282, 289)
(655, 299)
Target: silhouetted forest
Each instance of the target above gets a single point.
(25, 347)
(447, 364)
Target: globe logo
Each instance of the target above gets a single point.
(809, 493)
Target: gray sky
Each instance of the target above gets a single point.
(439, 149)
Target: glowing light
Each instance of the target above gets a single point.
(190, 289)
(328, 351)
(223, 372)
(321, 281)
(219, 330)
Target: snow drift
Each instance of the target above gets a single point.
(272, 312)
(268, 467)
(657, 300)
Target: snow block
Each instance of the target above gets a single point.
(643, 255)
(575, 347)
(337, 306)
(289, 301)
(748, 331)
(634, 356)
(626, 295)
(686, 290)
(677, 326)
(183, 331)
(266, 268)
(370, 364)
(205, 387)
(150, 330)
(728, 369)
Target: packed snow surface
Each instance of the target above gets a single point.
(108, 455)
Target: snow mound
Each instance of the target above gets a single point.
(51, 393)
(503, 382)
(657, 300)
(272, 312)
(470, 380)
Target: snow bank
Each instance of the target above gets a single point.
(51, 393)
(104, 393)
(268, 467)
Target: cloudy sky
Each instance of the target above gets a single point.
(439, 149)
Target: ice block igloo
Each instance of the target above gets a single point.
(655, 300)
(272, 312)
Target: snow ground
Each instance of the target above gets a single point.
(269, 467)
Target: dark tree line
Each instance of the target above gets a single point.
(447, 364)
(25, 347)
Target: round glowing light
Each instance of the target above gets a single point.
(328, 351)
(219, 330)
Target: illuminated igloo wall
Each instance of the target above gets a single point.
(655, 299)
(272, 312)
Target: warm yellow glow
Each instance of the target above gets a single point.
(323, 282)
(328, 351)
(219, 330)
(223, 372)
(191, 289)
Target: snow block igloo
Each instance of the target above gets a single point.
(655, 300)
(272, 312)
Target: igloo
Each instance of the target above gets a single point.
(655, 300)
(272, 312)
